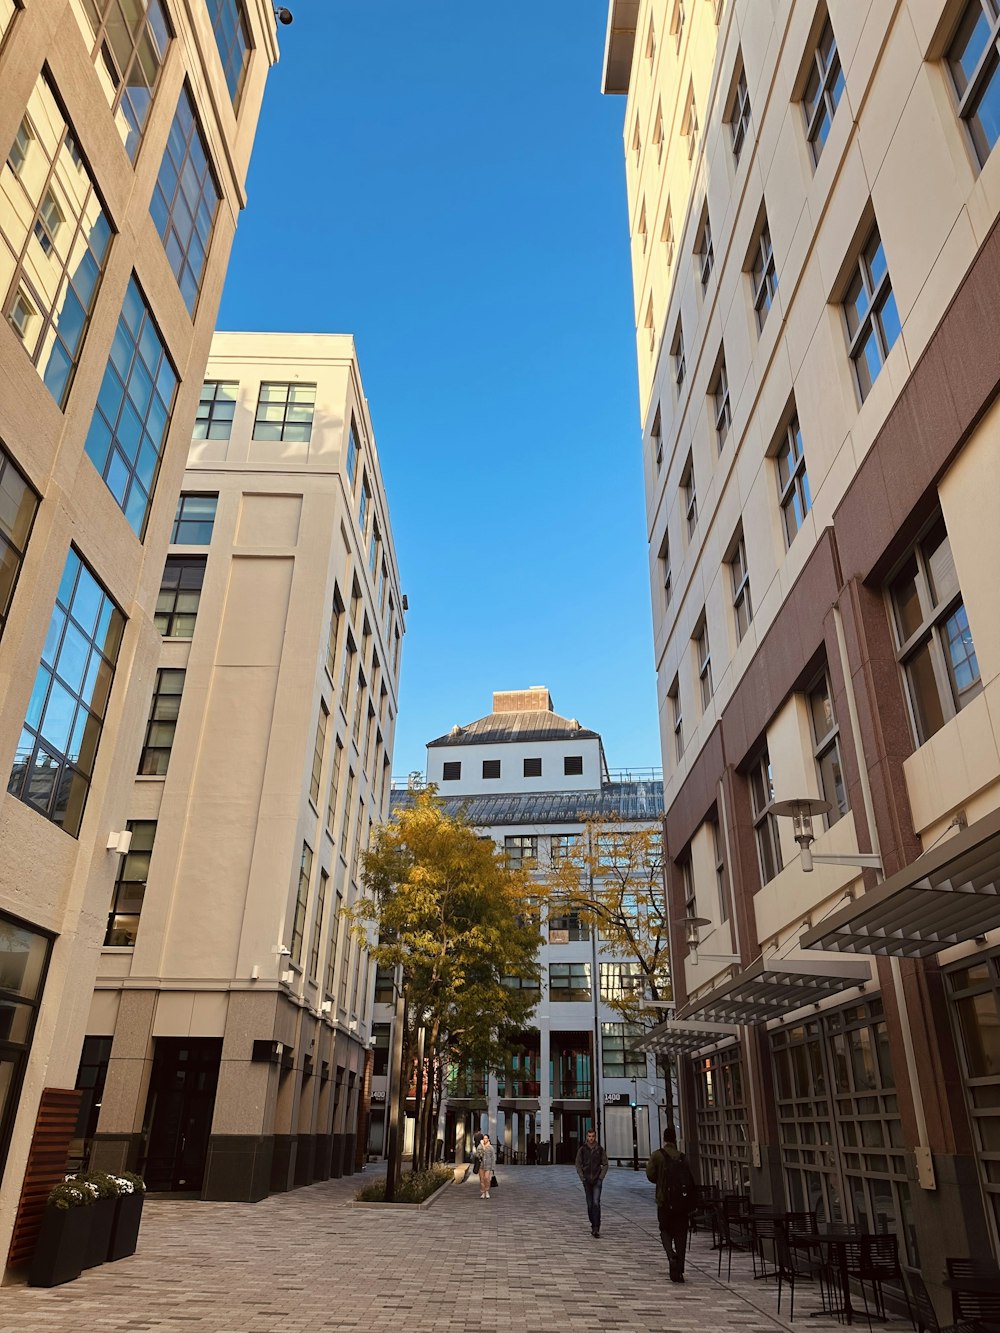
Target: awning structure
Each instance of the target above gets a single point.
(772, 987)
(948, 895)
(675, 1037)
(618, 45)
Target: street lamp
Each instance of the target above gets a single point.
(800, 811)
(635, 1126)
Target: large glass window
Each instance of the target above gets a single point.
(823, 90)
(520, 849)
(739, 115)
(54, 241)
(934, 644)
(130, 421)
(826, 748)
(721, 1113)
(163, 711)
(569, 981)
(315, 942)
(975, 992)
(763, 274)
(285, 412)
(622, 981)
(185, 201)
(216, 409)
(129, 40)
(319, 748)
(974, 61)
(740, 576)
(180, 596)
(194, 520)
(54, 760)
(130, 885)
(232, 36)
(565, 925)
(870, 310)
(301, 898)
(24, 959)
(18, 506)
(617, 1059)
(352, 455)
(764, 821)
(794, 495)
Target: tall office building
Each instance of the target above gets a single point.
(812, 199)
(227, 1040)
(126, 133)
(538, 784)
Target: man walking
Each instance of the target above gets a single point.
(676, 1199)
(592, 1167)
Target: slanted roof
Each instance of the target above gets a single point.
(630, 801)
(532, 725)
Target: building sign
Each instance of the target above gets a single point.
(616, 1099)
(378, 1097)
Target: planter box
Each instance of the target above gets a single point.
(125, 1229)
(101, 1215)
(61, 1248)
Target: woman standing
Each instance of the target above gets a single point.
(487, 1161)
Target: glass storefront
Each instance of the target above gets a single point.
(975, 994)
(723, 1135)
(24, 959)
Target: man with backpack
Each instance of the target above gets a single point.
(676, 1199)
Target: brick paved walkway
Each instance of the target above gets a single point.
(523, 1262)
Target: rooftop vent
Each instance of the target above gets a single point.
(534, 700)
(456, 730)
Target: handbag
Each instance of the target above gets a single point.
(477, 1165)
(493, 1181)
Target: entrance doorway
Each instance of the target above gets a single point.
(179, 1111)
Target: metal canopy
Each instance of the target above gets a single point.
(676, 1037)
(948, 895)
(770, 988)
(619, 42)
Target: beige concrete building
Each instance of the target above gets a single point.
(813, 199)
(227, 1041)
(126, 135)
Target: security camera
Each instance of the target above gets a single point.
(283, 15)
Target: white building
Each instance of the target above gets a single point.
(531, 780)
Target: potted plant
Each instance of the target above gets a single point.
(128, 1214)
(102, 1215)
(62, 1241)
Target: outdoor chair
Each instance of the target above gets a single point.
(876, 1260)
(784, 1267)
(922, 1310)
(974, 1305)
(726, 1242)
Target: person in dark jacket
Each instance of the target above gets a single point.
(676, 1198)
(592, 1167)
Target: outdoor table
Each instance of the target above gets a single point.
(816, 1240)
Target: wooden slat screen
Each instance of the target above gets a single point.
(54, 1129)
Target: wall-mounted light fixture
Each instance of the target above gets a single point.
(120, 842)
(800, 810)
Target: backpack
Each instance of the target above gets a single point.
(675, 1187)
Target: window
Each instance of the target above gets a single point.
(163, 710)
(703, 656)
(374, 548)
(347, 674)
(520, 849)
(132, 415)
(763, 275)
(689, 124)
(385, 985)
(194, 520)
(331, 800)
(676, 717)
(569, 982)
(180, 596)
(319, 748)
(336, 932)
(688, 888)
(617, 1059)
(55, 239)
(826, 748)
(823, 90)
(658, 133)
(130, 886)
(621, 981)
(720, 870)
(793, 481)
(677, 352)
(722, 412)
(285, 412)
(216, 409)
(677, 23)
(18, 506)
(742, 605)
(54, 760)
(301, 898)
(704, 249)
(689, 496)
(383, 575)
(336, 630)
(314, 942)
(232, 37)
(972, 59)
(666, 577)
(765, 823)
(129, 45)
(452, 770)
(870, 311)
(563, 846)
(565, 926)
(185, 201)
(642, 231)
(352, 455)
(739, 115)
(667, 237)
(651, 326)
(491, 768)
(656, 439)
(532, 768)
(573, 765)
(651, 43)
(364, 509)
(380, 1045)
(934, 644)
(636, 142)
(24, 961)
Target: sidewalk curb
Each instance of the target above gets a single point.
(405, 1207)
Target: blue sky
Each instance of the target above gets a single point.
(445, 181)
